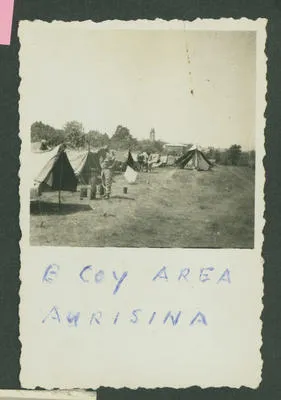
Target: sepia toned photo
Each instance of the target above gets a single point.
(141, 203)
(140, 138)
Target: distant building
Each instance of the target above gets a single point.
(152, 135)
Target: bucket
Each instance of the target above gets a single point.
(83, 193)
(125, 190)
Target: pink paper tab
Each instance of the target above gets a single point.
(6, 17)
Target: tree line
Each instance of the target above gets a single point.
(232, 156)
(74, 135)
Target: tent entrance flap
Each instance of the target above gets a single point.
(84, 164)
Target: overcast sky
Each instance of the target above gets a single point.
(142, 79)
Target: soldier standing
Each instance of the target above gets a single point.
(107, 161)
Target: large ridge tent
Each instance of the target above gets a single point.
(83, 163)
(51, 170)
(194, 159)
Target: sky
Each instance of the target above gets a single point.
(190, 86)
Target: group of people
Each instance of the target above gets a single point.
(146, 161)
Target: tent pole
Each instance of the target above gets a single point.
(61, 171)
(59, 199)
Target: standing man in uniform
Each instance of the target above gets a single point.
(107, 161)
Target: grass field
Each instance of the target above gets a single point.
(165, 208)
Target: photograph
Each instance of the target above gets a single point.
(141, 203)
(139, 138)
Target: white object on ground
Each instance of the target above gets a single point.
(130, 175)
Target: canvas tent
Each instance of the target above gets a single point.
(40, 146)
(131, 169)
(51, 170)
(167, 160)
(83, 163)
(124, 158)
(132, 161)
(163, 160)
(154, 160)
(171, 160)
(194, 159)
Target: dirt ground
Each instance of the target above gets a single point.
(165, 208)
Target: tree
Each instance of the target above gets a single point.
(234, 154)
(149, 146)
(122, 139)
(74, 133)
(96, 139)
(252, 159)
(56, 138)
(217, 156)
(224, 157)
(43, 132)
(211, 152)
(37, 132)
(247, 159)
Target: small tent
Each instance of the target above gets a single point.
(171, 160)
(131, 161)
(40, 146)
(154, 160)
(51, 170)
(194, 159)
(167, 160)
(83, 163)
(164, 160)
(131, 168)
(125, 158)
